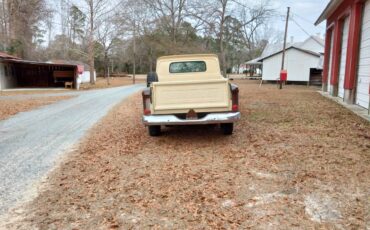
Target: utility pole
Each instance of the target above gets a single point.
(284, 48)
(134, 63)
(108, 73)
(112, 66)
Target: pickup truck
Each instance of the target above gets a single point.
(189, 90)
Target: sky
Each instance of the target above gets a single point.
(304, 12)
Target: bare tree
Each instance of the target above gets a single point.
(252, 22)
(170, 13)
(135, 15)
(110, 29)
(213, 14)
(21, 22)
(216, 14)
(77, 21)
(4, 33)
(95, 9)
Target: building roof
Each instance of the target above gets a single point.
(254, 62)
(20, 61)
(330, 8)
(274, 48)
(7, 56)
(70, 62)
(317, 39)
(292, 47)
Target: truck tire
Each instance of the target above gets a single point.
(154, 130)
(227, 129)
(151, 77)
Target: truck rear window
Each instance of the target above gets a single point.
(188, 67)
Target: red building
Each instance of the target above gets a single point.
(347, 50)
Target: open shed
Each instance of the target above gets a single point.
(17, 73)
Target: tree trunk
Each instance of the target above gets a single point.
(91, 44)
(134, 60)
(5, 26)
(107, 68)
(223, 57)
(222, 26)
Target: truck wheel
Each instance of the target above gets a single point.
(227, 129)
(154, 130)
(151, 77)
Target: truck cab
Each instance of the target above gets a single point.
(189, 90)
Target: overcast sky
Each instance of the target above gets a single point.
(304, 12)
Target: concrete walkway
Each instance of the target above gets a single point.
(31, 142)
(358, 110)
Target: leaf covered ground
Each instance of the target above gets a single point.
(102, 83)
(10, 107)
(295, 161)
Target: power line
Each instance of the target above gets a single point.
(308, 34)
(307, 20)
(295, 22)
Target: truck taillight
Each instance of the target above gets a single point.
(147, 112)
(146, 103)
(235, 99)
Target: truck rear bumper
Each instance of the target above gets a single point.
(212, 118)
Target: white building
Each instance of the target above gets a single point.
(303, 61)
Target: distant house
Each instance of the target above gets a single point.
(347, 63)
(239, 69)
(254, 68)
(303, 61)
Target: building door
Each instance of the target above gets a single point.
(330, 62)
(343, 58)
(363, 73)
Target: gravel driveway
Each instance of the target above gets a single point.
(31, 142)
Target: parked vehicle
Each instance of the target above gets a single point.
(189, 90)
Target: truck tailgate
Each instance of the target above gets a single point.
(180, 97)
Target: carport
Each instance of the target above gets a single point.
(18, 73)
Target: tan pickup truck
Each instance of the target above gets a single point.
(189, 90)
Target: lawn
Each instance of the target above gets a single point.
(11, 106)
(296, 161)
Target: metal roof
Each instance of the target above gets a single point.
(70, 62)
(36, 63)
(254, 62)
(7, 56)
(292, 47)
(330, 8)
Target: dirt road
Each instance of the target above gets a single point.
(31, 142)
(295, 161)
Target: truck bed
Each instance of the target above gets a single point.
(202, 96)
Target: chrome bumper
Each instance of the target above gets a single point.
(212, 118)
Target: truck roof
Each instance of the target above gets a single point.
(186, 56)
